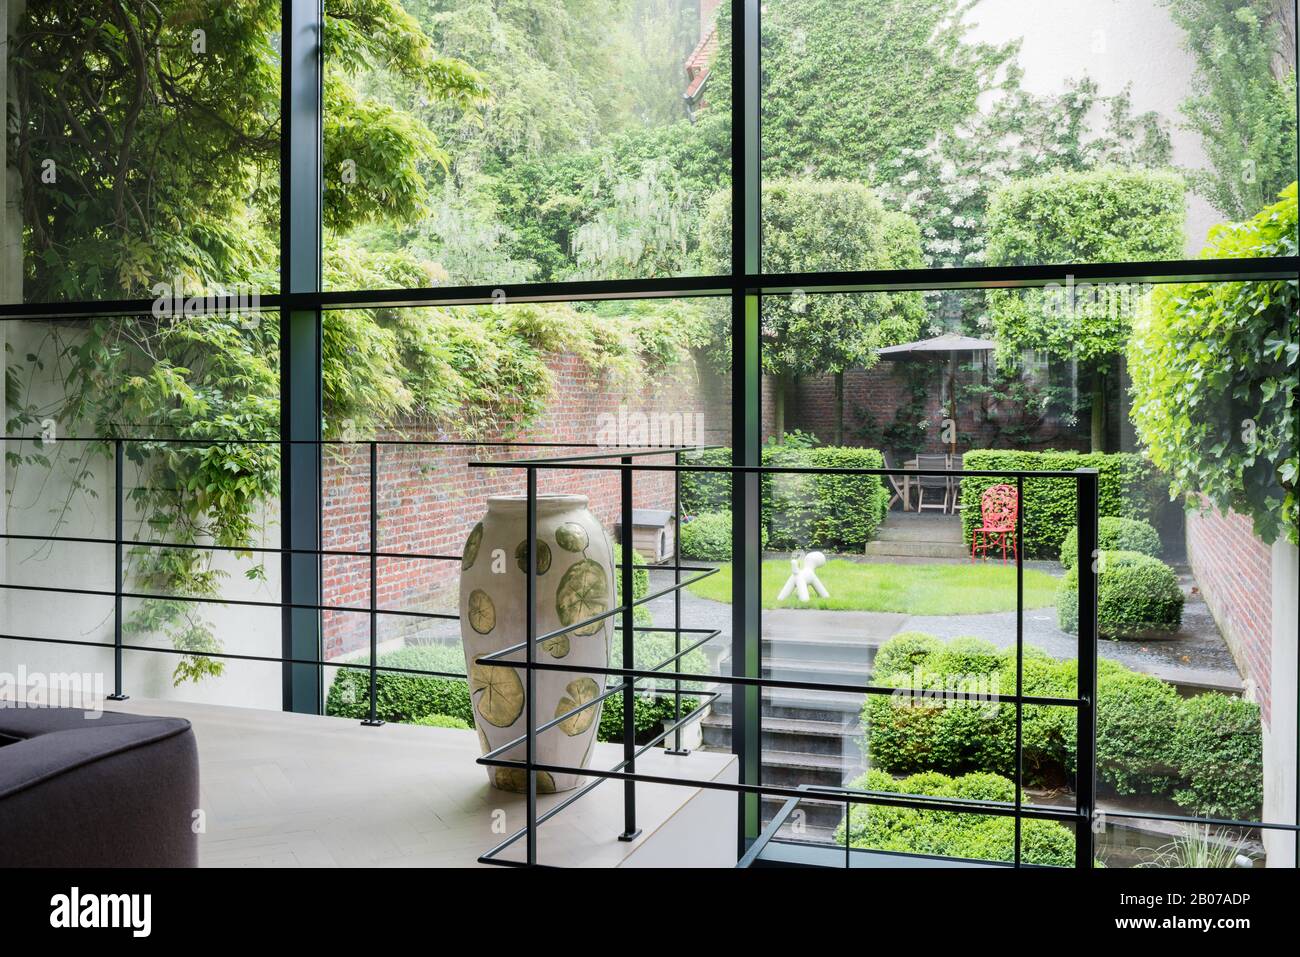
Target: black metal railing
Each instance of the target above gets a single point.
(627, 677)
(1080, 816)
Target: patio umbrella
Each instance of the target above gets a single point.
(947, 346)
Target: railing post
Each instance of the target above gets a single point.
(677, 606)
(530, 655)
(1087, 564)
(119, 470)
(630, 830)
(372, 720)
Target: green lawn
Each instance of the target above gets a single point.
(908, 589)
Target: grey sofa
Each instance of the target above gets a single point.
(117, 790)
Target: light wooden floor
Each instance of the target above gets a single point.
(289, 790)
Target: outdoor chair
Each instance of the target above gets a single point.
(895, 483)
(999, 510)
(938, 483)
(956, 466)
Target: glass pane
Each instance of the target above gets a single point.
(473, 142)
(454, 387)
(899, 134)
(143, 150)
(196, 406)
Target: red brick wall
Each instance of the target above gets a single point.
(882, 391)
(429, 498)
(1233, 570)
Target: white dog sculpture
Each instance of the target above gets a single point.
(801, 576)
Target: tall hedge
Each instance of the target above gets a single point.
(839, 512)
(1128, 486)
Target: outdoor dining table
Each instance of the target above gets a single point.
(910, 482)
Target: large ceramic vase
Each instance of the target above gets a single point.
(575, 581)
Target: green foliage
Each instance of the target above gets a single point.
(706, 491)
(1204, 752)
(404, 698)
(1128, 486)
(840, 512)
(903, 652)
(1103, 215)
(442, 721)
(415, 699)
(1216, 746)
(844, 96)
(640, 575)
(707, 537)
(1244, 98)
(1115, 535)
(1137, 595)
(822, 225)
(981, 837)
(1216, 381)
(1141, 714)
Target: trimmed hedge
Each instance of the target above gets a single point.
(981, 837)
(1136, 595)
(410, 699)
(1129, 486)
(442, 721)
(836, 512)
(1204, 752)
(1115, 535)
(1216, 745)
(707, 537)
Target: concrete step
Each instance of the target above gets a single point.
(803, 705)
(793, 768)
(880, 548)
(798, 735)
(920, 530)
(820, 819)
(859, 651)
(826, 672)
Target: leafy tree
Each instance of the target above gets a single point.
(822, 225)
(1104, 215)
(1243, 103)
(846, 95)
(1216, 380)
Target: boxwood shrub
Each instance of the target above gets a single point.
(1203, 752)
(409, 699)
(835, 512)
(1136, 595)
(1115, 535)
(1129, 486)
(707, 537)
(981, 837)
(1216, 747)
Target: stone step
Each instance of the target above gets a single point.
(880, 548)
(811, 669)
(792, 769)
(949, 533)
(861, 651)
(798, 735)
(820, 819)
(803, 705)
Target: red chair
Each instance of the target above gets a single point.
(999, 508)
